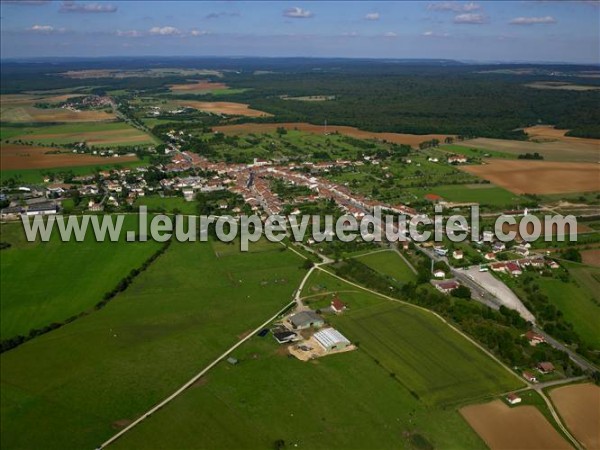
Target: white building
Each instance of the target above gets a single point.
(331, 339)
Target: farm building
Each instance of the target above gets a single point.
(306, 319)
(545, 367)
(513, 399)
(331, 339)
(337, 305)
(283, 337)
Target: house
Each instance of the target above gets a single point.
(513, 269)
(513, 399)
(445, 287)
(283, 337)
(433, 198)
(331, 339)
(534, 338)
(498, 267)
(553, 264)
(457, 254)
(439, 273)
(11, 212)
(499, 247)
(337, 305)
(488, 236)
(306, 319)
(530, 377)
(457, 159)
(490, 256)
(545, 367)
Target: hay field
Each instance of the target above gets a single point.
(579, 406)
(539, 177)
(397, 138)
(523, 427)
(551, 143)
(230, 108)
(14, 156)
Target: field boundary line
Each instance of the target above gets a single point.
(196, 377)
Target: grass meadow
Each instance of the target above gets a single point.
(76, 386)
(389, 263)
(407, 379)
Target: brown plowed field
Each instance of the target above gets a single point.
(397, 138)
(31, 157)
(591, 257)
(539, 177)
(521, 427)
(579, 406)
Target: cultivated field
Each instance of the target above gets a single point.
(19, 108)
(197, 87)
(14, 156)
(389, 263)
(522, 427)
(539, 177)
(579, 406)
(558, 85)
(439, 366)
(74, 387)
(97, 134)
(230, 108)
(591, 257)
(397, 138)
(553, 147)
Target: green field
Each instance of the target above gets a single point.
(100, 134)
(45, 282)
(73, 387)
(389, 263)
(484, 194)
(37, 175)
(478, 153)
(409, 375)
(579, 300)
(167, 204)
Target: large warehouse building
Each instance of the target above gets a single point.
(331, 339)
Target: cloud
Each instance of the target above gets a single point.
(390, 34)
(196, 33)
(470, 18)
(41, 29)
(164, 31)
(71, 6)
(372, 16)
(532, 20)
(218, 15)
(297, 13)
(453, 6)
(434, 34)
(129, 33)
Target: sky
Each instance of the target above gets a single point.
(535, 31)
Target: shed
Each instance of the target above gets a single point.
(231, 360)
